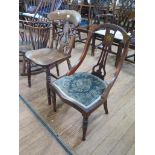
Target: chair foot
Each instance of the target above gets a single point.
(84, 127)
(105, 107)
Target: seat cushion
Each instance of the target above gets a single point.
(82, 89)
(46, 56)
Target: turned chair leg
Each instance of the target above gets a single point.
(57, 69)
(29, 72)
(84, 127)
(53, 94)
(48, 80)
(105, 107)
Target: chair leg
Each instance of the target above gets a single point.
(29, 72)
(93, 46)
(105, 107)
(53, 99)
(79, 35)
(48, 80)
(84, 127)
(23, 65)
(57, 69)
(118, 55)
(69, 64)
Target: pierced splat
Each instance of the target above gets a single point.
(64, 37)
(99, 69)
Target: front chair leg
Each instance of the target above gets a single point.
(29, 72)
(84, 127)
(48, 80)
(105, 107)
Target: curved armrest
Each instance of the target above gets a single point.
(83, 55)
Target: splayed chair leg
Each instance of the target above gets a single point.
(84, 127)
(105, 107)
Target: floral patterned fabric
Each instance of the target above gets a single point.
(83, 89)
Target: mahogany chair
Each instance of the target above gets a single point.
(59, 49)
(32, 36)
(87, 91)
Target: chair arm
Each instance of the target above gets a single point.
(83, 55)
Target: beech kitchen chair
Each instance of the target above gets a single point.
(59, 49)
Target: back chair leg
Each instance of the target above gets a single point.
(48, 80)
(29, 72)
(105, 107)
(69, 64)
(57, 69)
(118, 55)
(84, 127)
(93, 46)
(23, 66)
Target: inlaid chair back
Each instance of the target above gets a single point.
(64, 39)
(87, 91)
(111, 32)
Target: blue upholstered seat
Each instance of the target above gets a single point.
(83, 89)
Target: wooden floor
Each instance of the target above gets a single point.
(112, 134)
(34, 139)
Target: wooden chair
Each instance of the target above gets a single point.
(94, 9)
(87, 91)
(60, 48)
(39, 9)
(32, 36)
(125, 18)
